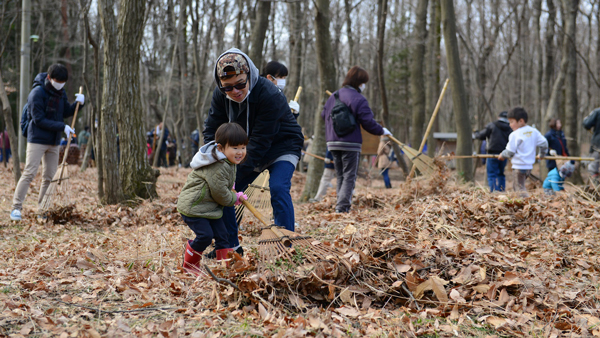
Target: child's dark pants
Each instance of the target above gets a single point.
(205, 230)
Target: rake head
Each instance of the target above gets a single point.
(259, 195)
(58, 195)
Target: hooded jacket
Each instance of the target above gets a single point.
(557, 141)
(265, 116)
(208, 186)
(359, 106)
(593, 121)
(496, 133)
(47, 109)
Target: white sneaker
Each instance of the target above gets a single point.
(15, 215)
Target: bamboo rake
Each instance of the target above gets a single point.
(430, 125)
(558, 158)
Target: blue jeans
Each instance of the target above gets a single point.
(495, 174)
(280, 182)
(205, 230)
(386, 178)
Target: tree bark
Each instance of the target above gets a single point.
(112, 185)
(348, 11)
(549, 52)
(12, 135)
(327, 81)
(433, 71)
(259, 31)
(571, 121)
(464, 144)
(137, 178)
(184, 141)
(417, 85)
(539, 58)
(296, 42)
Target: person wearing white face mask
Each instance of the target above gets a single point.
(47, 107)
(277, 73)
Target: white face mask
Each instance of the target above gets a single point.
(57, 85)
(362, 87)
(280, 83)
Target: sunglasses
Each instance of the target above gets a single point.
(237, 86)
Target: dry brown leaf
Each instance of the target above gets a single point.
(437, 284)
(348, 311)
(497, 322)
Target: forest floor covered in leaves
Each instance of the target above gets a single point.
(430, 258)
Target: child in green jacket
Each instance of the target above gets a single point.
(209, 187)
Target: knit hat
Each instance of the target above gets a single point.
(237, 62)
(567, 169)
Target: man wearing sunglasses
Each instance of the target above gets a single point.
(275, 138)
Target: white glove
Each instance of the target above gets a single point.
(386, 132)
(553, 152)
(80, 98)
(327, 160)
(69, 130)
(294, 106)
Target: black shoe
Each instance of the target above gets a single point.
(240, 251)
(211, 255)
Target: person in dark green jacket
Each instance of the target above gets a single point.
(209, 188)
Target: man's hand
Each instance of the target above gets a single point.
(69, 130)
(294, 106)
(80, 98)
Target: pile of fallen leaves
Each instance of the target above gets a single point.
(430, 258)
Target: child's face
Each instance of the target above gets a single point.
(235, 154)
(514, 124)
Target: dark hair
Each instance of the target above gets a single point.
(552, 124)
(518, 113)
(58, 72)
(87, 128)
(275, 69)
(230, 134)
(355, 77)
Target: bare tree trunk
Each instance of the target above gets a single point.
(238, 24)
(112, 185)
(296, 42)
(348, 11)
(433, 70)
(184, 142)
(548, 74)
(539, 58)
(12, 135)
(417, 85)
(259, 31)
(571, 121)
(137, 178)
(327, 82)
(200, 62)
(464, 144)
(382, 18)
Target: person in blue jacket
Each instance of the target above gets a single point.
(48, 106)
(556, 177)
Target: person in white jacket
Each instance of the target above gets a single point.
(522, 145)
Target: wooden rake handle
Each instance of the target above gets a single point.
(283, 238)
(62, 169)
(313, 155)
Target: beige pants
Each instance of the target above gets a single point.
(48, 155)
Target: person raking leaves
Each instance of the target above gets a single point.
(209, 188)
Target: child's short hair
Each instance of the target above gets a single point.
(230, 134)
(518, 113)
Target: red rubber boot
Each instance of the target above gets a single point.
(191, 259)
(222, 254)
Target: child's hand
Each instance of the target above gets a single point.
(239, 197)
(500, 158)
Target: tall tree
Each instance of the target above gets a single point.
(464, 144)
(549, 53)
(185, 144)
(112, 185)
(12, 135)
(539, 58)
(137, 178)
(417, 83)
(572, 125)
(259, 31)
(433, 69)
(327, 81)
(296, 42)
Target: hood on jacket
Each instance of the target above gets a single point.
(204, 156)
(252, 76)
(39, 80)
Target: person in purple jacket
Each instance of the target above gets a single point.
(346, 149)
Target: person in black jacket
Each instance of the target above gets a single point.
(496, 135)
(47, 107)
(275, 138)
(592, 121)
(557, 143)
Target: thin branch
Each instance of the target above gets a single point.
(117, 311)
(220, 280)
